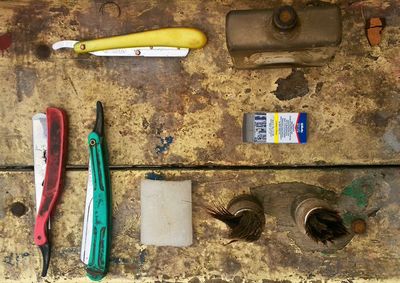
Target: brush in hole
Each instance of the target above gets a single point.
(318, 220)
(244, 215)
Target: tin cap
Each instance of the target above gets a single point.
(285, 18)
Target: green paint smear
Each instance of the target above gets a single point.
(360, 190)
(349, 217)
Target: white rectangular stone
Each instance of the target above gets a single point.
(166, 213)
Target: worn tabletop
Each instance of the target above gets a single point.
(198, 101)
(275, 257)
(183, 116)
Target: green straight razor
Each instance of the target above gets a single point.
(96, 236)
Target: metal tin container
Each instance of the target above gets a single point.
(283, 37)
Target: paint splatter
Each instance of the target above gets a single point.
(142, 256)
(360, 190)
(5, 42)
(154, 176)
(164, 146)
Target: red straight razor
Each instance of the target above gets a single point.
(56, 154)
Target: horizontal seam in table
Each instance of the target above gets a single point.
(28, 168)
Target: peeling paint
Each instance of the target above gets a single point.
(295, 85)
(165, 144)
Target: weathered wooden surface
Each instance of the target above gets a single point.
(372, 256)
(199, 100)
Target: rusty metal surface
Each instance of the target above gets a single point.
(275, 257)
(189, 111)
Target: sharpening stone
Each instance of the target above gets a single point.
(166, 213)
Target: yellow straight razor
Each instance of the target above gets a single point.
(165, 42)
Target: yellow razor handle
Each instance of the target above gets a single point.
(168, 37)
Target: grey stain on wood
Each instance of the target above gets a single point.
(26, 79)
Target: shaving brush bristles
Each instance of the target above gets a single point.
(325, 225)
(244, 216)
(222, 214)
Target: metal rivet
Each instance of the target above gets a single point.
(359, 226)
(92, 142)
(137, 52)
(83, 46)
